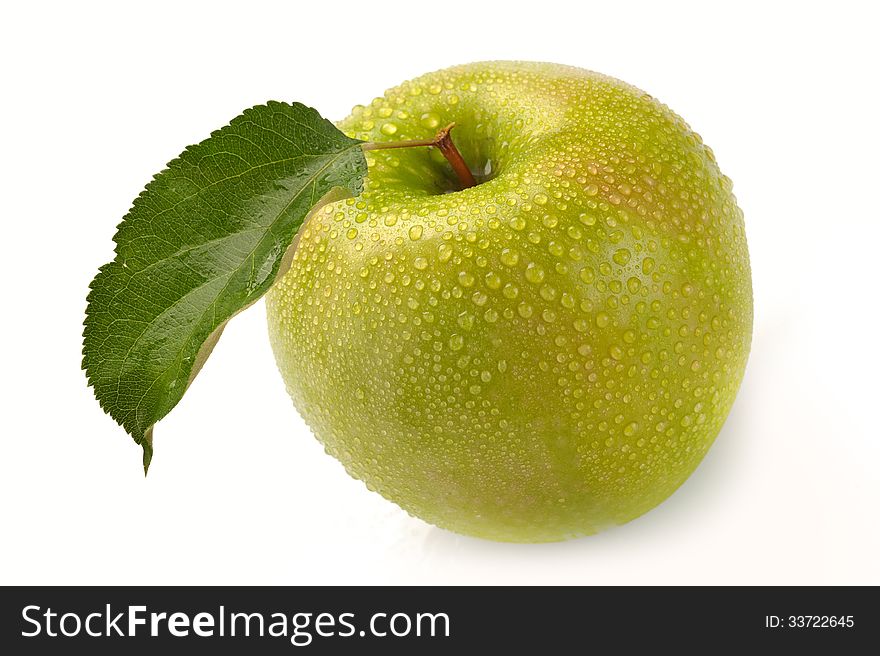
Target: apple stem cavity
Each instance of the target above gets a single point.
(443, 142)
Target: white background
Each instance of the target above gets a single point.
(97, 98)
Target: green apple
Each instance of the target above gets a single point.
(540, 356)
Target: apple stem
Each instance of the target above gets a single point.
(443, 142)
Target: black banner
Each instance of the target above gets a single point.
(113, 620)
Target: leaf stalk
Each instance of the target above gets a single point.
(443, 142)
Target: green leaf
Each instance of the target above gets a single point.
(205, 239)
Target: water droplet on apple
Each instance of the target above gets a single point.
(430, 120)
(621, 256)
(479, 298)
(509, 257)
(534, 273)
(465, 320)
(493, 280)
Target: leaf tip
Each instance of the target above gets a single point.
(147, 445)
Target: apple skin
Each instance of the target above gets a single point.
(541, 356)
